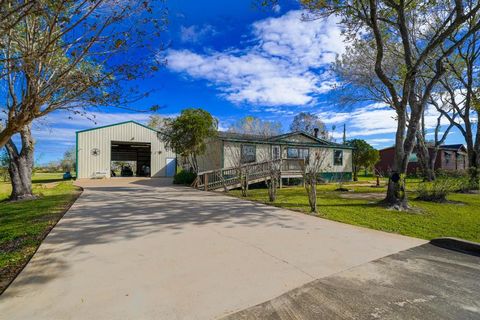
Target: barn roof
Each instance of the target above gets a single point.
(116, 124)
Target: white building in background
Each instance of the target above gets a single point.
(100, 151)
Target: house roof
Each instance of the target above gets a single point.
(226, 135)
(453, 146)
(279, 139)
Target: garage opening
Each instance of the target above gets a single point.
(130, 159)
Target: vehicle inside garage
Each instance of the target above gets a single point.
(130, 159)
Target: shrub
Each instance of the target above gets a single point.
(463, 179)
(441, 173)
(184, 177)
(438, 190)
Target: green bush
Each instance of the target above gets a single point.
(455, 174)
(438, 190)
(184, 177)
(463, 179)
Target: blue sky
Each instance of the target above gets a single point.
(236, 60)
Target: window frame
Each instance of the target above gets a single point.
(279, 155)
(298, 151)
(242, 153)
(335, 158)
(448, 157)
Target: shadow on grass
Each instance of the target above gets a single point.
(47, 180)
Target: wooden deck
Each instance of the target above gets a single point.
(231, 178)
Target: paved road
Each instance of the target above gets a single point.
(424, 283)
(143, 249)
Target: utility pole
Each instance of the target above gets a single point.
(344, 133)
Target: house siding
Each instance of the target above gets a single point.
(232, 155)
(212, 158)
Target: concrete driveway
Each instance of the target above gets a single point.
(144, 249)
(428, 282)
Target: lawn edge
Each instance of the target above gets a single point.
(317, 216)
(64, 210)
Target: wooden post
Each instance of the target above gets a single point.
(205, 181)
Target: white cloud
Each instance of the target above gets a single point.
(381, 140)
(284, 67)
(276, 8)
(196, 33)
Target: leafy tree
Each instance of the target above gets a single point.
(64, 55)
(363, 156)
(4, 163)
(257, 126)
(70, 55)
(458, 98)
(307, 122)
(419, 33)
(12, 12)
(69, 160)
(155, 121)
(188, 134)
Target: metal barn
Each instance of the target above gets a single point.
(122, 149)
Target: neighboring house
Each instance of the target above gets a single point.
(229, 150)
(98, 149)
(449, 157)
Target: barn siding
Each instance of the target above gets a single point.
(101, 138)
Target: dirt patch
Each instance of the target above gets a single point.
(363, 196)
(50, 185)
(362, 184)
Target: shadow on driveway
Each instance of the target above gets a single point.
(425, 282)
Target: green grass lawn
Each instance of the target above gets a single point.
(460, 217)
(23, 225)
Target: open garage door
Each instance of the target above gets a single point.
(130, 159)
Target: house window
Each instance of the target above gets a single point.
(448, 157)
(248, 153)
(338, 157)
(297, 153)
(413, 157)
(276, 152)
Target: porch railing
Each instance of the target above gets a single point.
(252, 172)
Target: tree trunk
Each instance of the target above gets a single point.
(396, 197)
(313, 195)
(355, 174)
(21, 166)
(311, 188)
(474, 168)
(272, 189)
(424, 158)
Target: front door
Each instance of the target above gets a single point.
(171, 164)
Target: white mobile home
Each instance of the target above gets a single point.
(98, 149)
(231, 149)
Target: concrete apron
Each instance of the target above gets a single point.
(144, 249)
